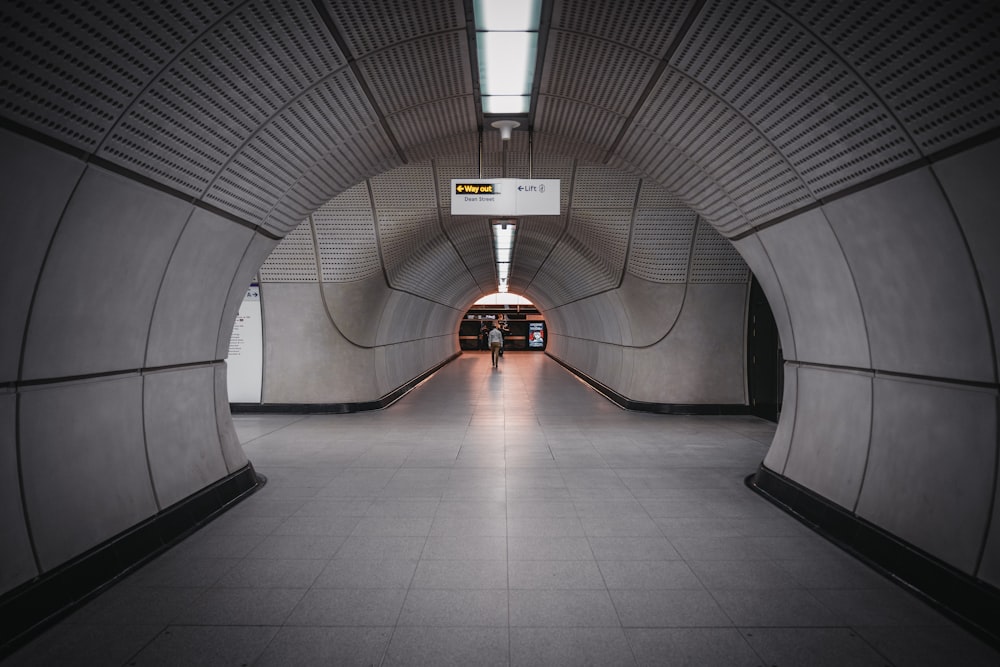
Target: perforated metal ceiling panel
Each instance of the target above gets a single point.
(536, 236)
(595, 71)
(935, 63)
(649, 27)
(715, 259)
(604, 233)
(653, 196)
(406, 188)
(465, 144)
(473, 239)
(419, 258)
(348, 164)
(661, 245)
(576, 122)
(355, 198)
(419, 71)
(602, 187)
(212, 99)
(573, 272)
(375, 24)
(435, 120)
(70, 71)
(738, 157)
(293, 260)
(801, 96)
(345, 240)
(402, 233)
(669, 166)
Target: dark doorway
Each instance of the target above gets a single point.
(765, 377)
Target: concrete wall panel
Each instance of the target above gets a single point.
(84, 473)
(777, 454)
(37, 183)
(650, 309)
(918, 289)
(189, 306)
(396, 316)
(822, 300)
(182, 437)
(17, 564)
(926, 480)
(101, 278)
(832, 429)
(702, 360)
(970, 183)
(229, 441)
(357, 307)
(305, 359)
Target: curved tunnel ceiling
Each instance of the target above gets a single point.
(398, 224)
(267, 109)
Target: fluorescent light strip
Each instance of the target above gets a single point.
(507, 46)
(503, 247)
(523, 15)
(506, 62)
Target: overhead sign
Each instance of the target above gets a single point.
(505, 196)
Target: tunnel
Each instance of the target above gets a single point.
(158, 158)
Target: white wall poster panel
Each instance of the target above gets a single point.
(246, 351)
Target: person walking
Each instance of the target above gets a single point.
(496, 344)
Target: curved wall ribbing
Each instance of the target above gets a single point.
(885, 299)
(118, 310)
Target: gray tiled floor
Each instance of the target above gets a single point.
(508, 517)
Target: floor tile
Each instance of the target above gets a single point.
(742, 575)
(569, 647)
(298, 546)
(816, 647)
(465, 548)
(367, 547)
(241, 606)
(272, 573)
(454, 608)
(348, 607)
(697, 647)
(325, 646)
(562, 608)
(760, 608)
(632, 548)
(364, 573)
(668, 608)
(649, 575)
(555, 574)
(208, 646)
(549, 548)
(457, 647)
(461, 574)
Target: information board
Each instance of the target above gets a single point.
(505, 196)
(244, 364)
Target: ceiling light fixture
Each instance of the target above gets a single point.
(507, 45)
(503, 249)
